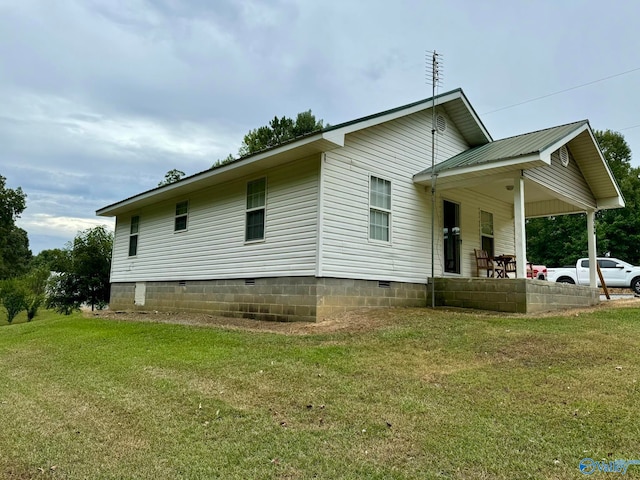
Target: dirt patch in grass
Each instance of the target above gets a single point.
(349, 322)
(355, 321)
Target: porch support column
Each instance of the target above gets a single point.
(591, 242)
(519, 224)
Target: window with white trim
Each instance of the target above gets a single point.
(182, 215)
(256, 209)
(486, 232)
(379, 209)
(134, 228)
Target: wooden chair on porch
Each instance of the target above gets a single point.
(510, 266)
(484, 262)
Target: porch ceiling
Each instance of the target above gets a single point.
(539, 199)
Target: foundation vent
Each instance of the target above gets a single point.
(249, 281)
(384, 284)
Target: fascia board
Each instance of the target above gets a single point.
(549, 149)
(335, 137)
(526, 161)
(610, 202)
(192, 183)
(605, 164)
(378, 119)
(476, 118)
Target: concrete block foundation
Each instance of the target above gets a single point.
(311, 299)
(281, 299)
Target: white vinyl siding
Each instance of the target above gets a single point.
(567, 181)
(395, 151)
(214, 244)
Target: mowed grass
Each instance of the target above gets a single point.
(426, 394)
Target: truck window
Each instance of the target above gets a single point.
(607, 263)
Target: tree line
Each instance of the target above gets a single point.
(62, 279)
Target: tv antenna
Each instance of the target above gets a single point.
(434, 78)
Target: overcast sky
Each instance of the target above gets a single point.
(100, 98)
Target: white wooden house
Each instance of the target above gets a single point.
(341, 218)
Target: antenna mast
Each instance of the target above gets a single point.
(433, 65)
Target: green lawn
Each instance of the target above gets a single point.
(428, 394)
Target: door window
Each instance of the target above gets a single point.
(451, 237)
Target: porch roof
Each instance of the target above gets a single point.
(518, 147)
(502, 160)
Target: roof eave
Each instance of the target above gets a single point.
(319, 142)
(516, 163)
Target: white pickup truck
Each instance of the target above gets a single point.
(616, 273)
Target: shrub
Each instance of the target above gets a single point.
(14, 297)
(63, 293)
(33, 302)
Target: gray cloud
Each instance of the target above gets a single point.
(101, 97)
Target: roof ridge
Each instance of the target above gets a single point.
(391, 110)
(579, 122)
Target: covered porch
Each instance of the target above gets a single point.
(556, 171)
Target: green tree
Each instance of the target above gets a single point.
(14, 243)
(55, 260)
(92, 264)
(63, 293)
(229, 158)
(35, 283)
(618, 230)
(557, 241)
(172, 176)
(86, 279)
(14, 297)
(279, 131)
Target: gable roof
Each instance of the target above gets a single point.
(454, 103)
(540, 143)
(501, 158)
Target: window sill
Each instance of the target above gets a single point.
(382, 243)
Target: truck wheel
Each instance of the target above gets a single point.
(635, 285)
(566, 280)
